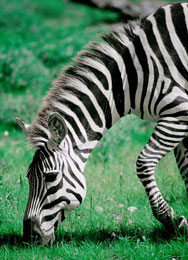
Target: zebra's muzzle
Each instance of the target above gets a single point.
(29, 234)
(33, 234)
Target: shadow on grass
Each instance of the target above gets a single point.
(157, 235)
(11, 240)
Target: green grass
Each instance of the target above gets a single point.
(38, 38)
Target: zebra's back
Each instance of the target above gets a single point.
(156, 61)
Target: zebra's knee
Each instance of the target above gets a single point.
(140, 166)
(163, 213)
(144, 167)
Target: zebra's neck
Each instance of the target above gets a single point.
(91, 95)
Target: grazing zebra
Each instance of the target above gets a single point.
(141, 68)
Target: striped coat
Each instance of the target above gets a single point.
(141, 68)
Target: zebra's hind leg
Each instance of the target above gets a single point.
(166, 136)
(181, 154)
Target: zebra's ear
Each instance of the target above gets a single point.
(26, 128)
(57, 127)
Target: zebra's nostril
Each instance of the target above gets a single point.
(29, 235)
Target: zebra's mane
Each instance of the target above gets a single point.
(70, 77)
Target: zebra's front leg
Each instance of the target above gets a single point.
(164, 139)
(181, 154)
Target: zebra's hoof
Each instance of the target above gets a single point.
(181, 226)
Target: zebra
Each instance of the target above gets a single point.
(140, 68)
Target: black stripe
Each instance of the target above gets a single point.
(51, 191)
(177, 154)
(49, 217)
(156, 77)
(178, 19)
(79, 198)
(47, 154)
(179, 122)
(56, 225)
(101, 99)
(171, 128)
(40, 189)
(35, 177)
(163, 141)
(42, 162)
(177, 101)
(129, 65)
(176, 114)
(54, 189)
(156, 148)
(151, 197)
(148, 190)
(172, 135)
(143, 176)
(117, 84)
(80, 115)
(141, 55)
(69, 181)
(162, 94)
(131, 75)
(165, 36)
(56, 202)
(99, 74)
(147, 27)
(34, 162)
(185, 142)
(72, 122)
(77, 151)
(146, 182)
(184, 168)
(74, 176)
(85, 99)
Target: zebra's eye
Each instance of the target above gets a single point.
(51, 175)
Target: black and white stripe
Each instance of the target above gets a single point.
(141, 68)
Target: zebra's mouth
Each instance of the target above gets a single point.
(48, 236)
(48, 240)
(33, 233)
(29, 233)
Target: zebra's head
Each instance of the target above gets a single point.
(53, 191)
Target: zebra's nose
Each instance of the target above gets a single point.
(29, 235)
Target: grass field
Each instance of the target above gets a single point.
(37, 39)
